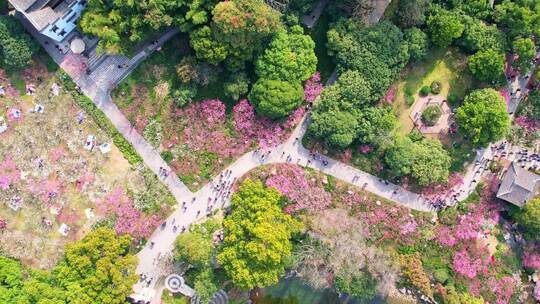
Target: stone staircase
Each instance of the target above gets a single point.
(220, 297)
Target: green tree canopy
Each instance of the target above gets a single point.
(444, 26)
(344, 114)
(244, 26)
(412, 12)
(483, 117)
(425, 160)
(418, 43)
(289, 57)
(276, 98)
(337, 128)
(487, 66)
(206, 47)
(529, 217)
(378, 52)
(16, 45)
(257, 237)
(97, 269)
(478, 36)
(520, 18)
(526, 51)
(478, 8)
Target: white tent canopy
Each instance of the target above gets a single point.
(77, 46)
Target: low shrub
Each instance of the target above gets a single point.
(436, 87)
(167, 156)
(453, 99)
(425, 90)
(431, 115)
(409, 100)
(408, 91)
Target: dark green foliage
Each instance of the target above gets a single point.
(483, 117)
(453, 99)
(412, 12)
(418, 43)
(529, 218)
(444, 27)
(237, 86)
(431, 115)
(525, 49)
(343, 114)
(487, 66)
(519, 18)
(478, 36)
(378, 52)
(289, 57)
(424, 160)
(276, 98)
(477, 8)
(16, 45)
(424, 91)
(361, 285)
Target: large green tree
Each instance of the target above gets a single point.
(487, 66)
(525, 49)
(478, 36)
(483, 117)
(418, 43)
(529, 217)
(444, 26)
(520, 18)
(244, 26)
(289, 57)
(378, 52)
(344, 114)
(16, 45)
(258, 236)
(412, 12)
(425, 160)
(97, 269)
(276, 98)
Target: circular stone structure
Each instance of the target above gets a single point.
(174, 282)
(77, 46)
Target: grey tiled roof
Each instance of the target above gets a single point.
(40, 13)
(22, 5)
(518, 185)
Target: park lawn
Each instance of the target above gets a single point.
(325, 64)
(447, 66)
(78, 178)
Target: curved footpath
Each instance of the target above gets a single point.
(98, 87)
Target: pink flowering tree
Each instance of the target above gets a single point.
(502, 288)
(128, 219)
(9, 174)
(291, 182)
(531, 259)
(313, 87)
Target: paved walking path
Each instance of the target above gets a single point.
(98, 85)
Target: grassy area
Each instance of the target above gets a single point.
(447, 66)
(56, 172)
(325, 63)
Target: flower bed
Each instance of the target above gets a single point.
(460, 249)
(201, 139)
(48, 178)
